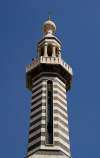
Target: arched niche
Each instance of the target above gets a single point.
(42, 51)
(49, 50)
(49, 112)
(56, 51)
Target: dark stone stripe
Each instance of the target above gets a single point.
(36, 136)
(43, 97)
(42, 86)
(61, 84)
(61, 95)
(34, 96)
(62, 137)
(62, 129)
(56, 104)
(43, 110)
(56, 86)
(39, 119)
(65, 104)
(37, 78)
(36, 101)
(62, 122)
(37, 89)
(63, 109)
(56, 92)
(62, 146)
(61, 114)
(38, 106)
(61, 90)
(34, 122)
(36, 114)
(43, 104)
(55, 98)
(34, 85)
(43, 91)
(36, 128)
(34, 146)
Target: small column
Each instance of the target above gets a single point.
(59, 53)
(53, 50)
(38, 52)
(45, 50)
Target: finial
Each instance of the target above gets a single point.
(49, 27)
(49, 16)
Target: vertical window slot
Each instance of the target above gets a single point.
(49, 117)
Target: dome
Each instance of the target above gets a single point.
(49, 27)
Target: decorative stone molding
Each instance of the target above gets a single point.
(49, 60)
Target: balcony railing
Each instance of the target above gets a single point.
(48, 60)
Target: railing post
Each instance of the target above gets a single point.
(40, 59)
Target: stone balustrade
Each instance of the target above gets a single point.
(48, 60)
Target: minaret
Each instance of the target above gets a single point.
(48, 77)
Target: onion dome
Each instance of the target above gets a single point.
(49, 27)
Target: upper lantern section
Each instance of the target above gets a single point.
(48, 60)
(49, 27)
(49, 45)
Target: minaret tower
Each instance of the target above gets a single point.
(48, 77)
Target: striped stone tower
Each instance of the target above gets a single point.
(49, 78)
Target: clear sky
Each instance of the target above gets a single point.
(78, 28)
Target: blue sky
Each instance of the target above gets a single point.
(78, 28)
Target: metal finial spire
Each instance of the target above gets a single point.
(49, 16)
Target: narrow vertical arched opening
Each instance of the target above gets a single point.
(49, 50)
(56, 52)
(42, 51)
(49, 113)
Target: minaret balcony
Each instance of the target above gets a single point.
(48, 65)
(49, 60)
